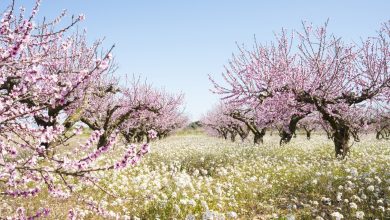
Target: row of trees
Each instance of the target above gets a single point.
(229, 122)
(53, 84)
(307, 73)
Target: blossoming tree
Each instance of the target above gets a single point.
(324, 74)
(49, 81)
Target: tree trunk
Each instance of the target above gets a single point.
(224, 136)
(292, 127)
(285, 137)
(341, 138)
(243, 136)
(340, 132)
(232, 137)
(378, 135)
(243, 133)
(308, 134)
(258, 136)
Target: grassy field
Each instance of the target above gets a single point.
(192, 176)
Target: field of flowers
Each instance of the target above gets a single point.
(193, 176)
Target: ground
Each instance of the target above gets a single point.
(194, 176)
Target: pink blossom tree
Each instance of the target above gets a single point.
(336, 79)
(255, 124)
(379, 122)
(219, 121)
(216, 122)
(228, 121)
(110, 112)
(163, 115)
(341, 80)
(309, 124)
(253, 78)
(48, 80)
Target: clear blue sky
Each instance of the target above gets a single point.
(176, 44)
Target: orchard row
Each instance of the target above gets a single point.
(312, 78)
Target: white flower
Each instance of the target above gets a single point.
(204, 204)
(232, 215)
(196, 196)
(337, 215)
(354, 172)
(326, 201)
(190, 217)
(378, 179)
(218, 190)
(371, 188)
(290, 217)
(183, 180)
(350, 184)
(353, 205)
(192, 202)
(338, 197)
(356, 198)
(359, 215)
(209, 215)
(196, 172)
(176, 208)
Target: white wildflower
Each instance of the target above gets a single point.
(359, 214)
(353, 205)
(337, 215)
(232, 215)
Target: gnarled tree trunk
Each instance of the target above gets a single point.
(224, 135)
(243, 133)
(233, 136)
(292, 126)
(341, 132)
(308, 134)
(259, 136)
(341, 138)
